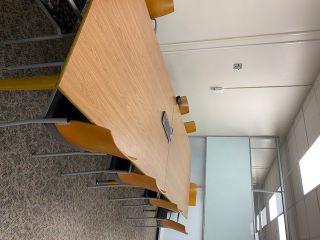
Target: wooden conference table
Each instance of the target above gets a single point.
(116, 76)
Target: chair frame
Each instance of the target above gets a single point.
(59, 35)
(48, 121)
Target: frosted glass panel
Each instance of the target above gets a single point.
(228, 203)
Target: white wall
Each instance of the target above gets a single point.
(194, 223)
(303, 210)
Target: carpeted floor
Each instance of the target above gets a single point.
(35, 201)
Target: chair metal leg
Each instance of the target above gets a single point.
(109, 186)
(35, 121)
(130, 168)
(90, 172)
(75, 9)
(31, 66)
(155, 25)
(149, 210)
(63, 154)
(149, 226)
(39, 39)
(84, 8)
(45, 11)
(140, 218)
(129, 198)
(139, 226)
(136, 205)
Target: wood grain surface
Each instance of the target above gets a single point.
(178, 166)
(116, 76)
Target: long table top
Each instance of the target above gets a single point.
(116, 76)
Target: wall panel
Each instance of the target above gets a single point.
(228, 203)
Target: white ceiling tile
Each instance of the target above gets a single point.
(207, 19)
(263, 65)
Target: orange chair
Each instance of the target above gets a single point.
(89, 137)
(190, 126)
(131, 180)
(193, 194)
(166, 223)
(162, 221)
(183, 104)
(74, 133)
(173, 225)
(159, 8)
(153, 202)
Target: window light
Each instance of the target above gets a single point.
(263, 215)
(258, 222)
(273, 207)
(310, 166)
(282, 228)
(279, 202)
(256, 236)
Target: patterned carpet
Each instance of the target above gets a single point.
(35, 201)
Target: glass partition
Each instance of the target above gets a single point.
(267, 189)
(244, 189)
(228, 201)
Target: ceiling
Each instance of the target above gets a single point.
(262, 111)
(200, 48)
(278, 43)
(204, 20)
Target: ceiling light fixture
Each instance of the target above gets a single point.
(217, 89)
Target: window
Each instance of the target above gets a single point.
(282, 228)
(279, 202)
(256, 236)
(263, 215)
(309, 167)
(275, 205)
(258, 222)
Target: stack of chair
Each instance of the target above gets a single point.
(71, 127)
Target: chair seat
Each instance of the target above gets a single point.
(159, 8)
(173, 225)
